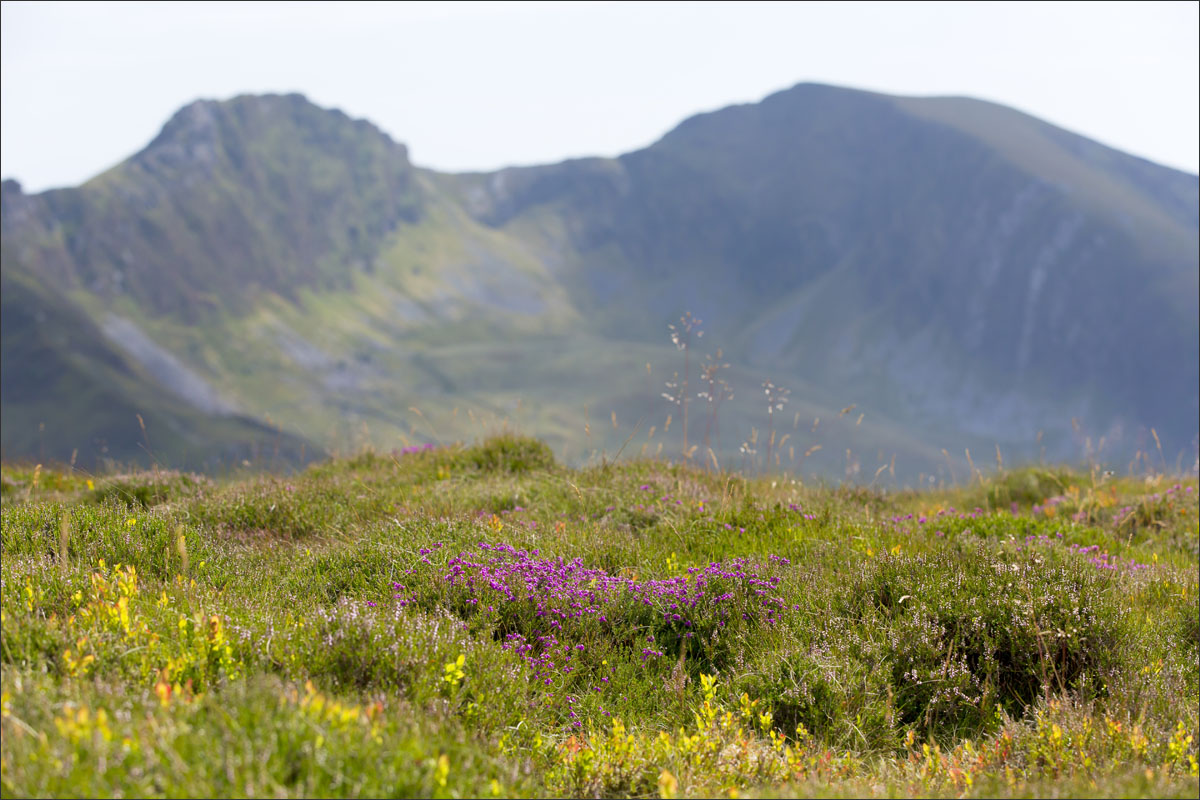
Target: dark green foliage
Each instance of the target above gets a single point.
(979, 627)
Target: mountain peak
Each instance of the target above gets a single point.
(266, 192)
(197, 132)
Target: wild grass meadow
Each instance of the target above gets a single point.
(467, 621)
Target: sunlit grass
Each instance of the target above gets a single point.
(480, 621)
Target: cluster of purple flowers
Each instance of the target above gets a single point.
(1102, 560)
(1047, 507)
(1049, 503)
(1126, 511)
(550, 611)
(1094, 554)
(416, 448)
(951, 512)
(800, 510)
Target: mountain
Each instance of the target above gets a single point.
(963, 258)
(966, 275)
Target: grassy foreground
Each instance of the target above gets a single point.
(483, 622)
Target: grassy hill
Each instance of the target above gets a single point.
(483, 621)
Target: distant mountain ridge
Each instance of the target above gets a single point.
(965, 272)
(901, 212)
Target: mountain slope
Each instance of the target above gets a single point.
(68, 395)
(964, 273)
(974, 263)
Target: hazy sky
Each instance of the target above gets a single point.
(484, 85)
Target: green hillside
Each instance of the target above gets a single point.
(103, 407)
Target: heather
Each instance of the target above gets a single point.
(480, 620)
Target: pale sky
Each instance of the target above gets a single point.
(479, 86)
